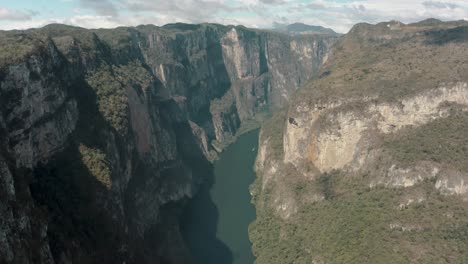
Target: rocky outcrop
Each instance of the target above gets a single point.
(382, 125)
(332, 137)
(105, 134)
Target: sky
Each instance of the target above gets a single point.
(339, 15)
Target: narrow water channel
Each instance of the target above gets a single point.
(216, 226)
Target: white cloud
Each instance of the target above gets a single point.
(101, 7)
(340, 16)
(88, 21)
(28, 23)
(15, 15)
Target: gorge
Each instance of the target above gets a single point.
(110, 140)
(107, 134)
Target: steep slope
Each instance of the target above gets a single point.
(106, 133)
(226, 76)
(368, 164)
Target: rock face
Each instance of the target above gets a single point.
(106, 133)
(227, 75)
(370, 157)
(337, 145)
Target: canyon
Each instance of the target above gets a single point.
(108, 136)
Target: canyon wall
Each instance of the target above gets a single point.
(368, 161)
(105, 134)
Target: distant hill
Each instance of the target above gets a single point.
(301, 28)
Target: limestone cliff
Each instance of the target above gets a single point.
(106, 133)
(368, 164)
(228, 75)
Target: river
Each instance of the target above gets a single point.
(216, 225)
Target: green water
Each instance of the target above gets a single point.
(230, 192)
(216, 226)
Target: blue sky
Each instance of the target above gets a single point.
(337, 14)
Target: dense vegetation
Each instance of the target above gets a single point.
(14, 46)
(444, 141)
(112, 98)
(95, 162)
(386, 64)
(357, 224)
(109, 84)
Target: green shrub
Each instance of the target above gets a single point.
(111, 96)
(134, 74)
(444, 141)
(95, 161)
(14, 46)
(355, 227)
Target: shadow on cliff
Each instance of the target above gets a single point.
(198, 219)
(199, 225)
(75, 205)
(446, 36)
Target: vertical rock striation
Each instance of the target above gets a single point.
(106, 133)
